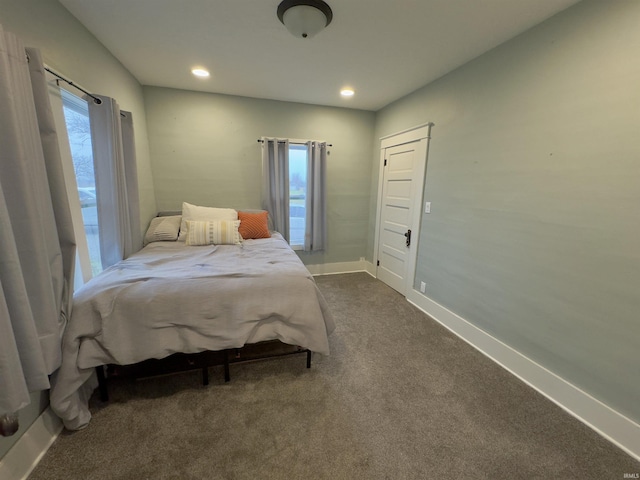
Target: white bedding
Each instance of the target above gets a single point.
(171, 298)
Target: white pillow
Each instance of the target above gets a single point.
(163, 229)
(213, 232)
(194, 212)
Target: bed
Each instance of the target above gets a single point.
(175, 297)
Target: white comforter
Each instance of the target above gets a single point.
(171, 298)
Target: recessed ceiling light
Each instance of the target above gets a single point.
(200, 72)
(347, 92)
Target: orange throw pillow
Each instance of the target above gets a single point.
(254, 225)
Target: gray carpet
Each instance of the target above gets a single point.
(399, 398)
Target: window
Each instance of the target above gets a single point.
(300, 214)
(76, 116)
(297, 194)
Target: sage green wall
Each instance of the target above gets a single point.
(204, 151)
(70, 49)
(534, 179)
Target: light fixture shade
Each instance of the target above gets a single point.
(304, 18)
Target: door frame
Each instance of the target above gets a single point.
(410, 135)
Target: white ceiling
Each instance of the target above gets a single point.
(384, 49)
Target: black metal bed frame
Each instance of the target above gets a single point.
(183, 362)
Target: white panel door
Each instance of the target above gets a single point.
(397, 235)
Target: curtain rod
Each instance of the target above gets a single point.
(294, 143)
(95, 99)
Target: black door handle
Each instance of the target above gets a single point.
(408, 235)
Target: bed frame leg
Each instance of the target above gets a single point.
(102, 384)
(205, 376)
(308, 358)
(227, 376)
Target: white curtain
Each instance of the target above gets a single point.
(37, 246)
(116, 180)
(316, 204)
(275, 182)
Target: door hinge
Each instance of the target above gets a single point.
(385, 162)
(378, 263)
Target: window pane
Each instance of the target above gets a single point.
(76, 115)
(297, 193)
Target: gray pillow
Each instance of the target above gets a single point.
(163, 229)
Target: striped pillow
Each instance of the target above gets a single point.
(213, 232)
(195, 212)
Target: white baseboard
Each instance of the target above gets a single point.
(340, 267)
(23, 457)
(613, 426)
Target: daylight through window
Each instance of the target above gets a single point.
(76, 115)
(297, 194)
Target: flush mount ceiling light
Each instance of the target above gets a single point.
(304, 18)
(347, 92)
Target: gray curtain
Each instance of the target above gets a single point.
(315, 237)
(37, 246)
(116, 180)
(275, 182)
(131, 184)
